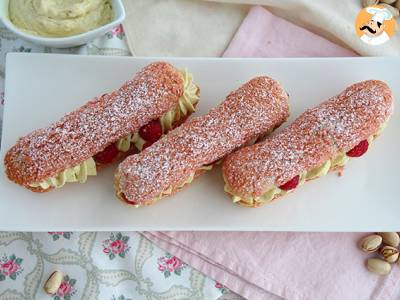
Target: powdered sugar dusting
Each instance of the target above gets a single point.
(89, 129)
(256, 107)
(319, 134)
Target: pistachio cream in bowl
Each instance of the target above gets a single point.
(61, 23)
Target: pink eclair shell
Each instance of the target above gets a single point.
(316, 139)
(256, 107)
(99, 123)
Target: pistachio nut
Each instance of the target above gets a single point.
(371, 243)
(366, 3)
(398, 262)
(378, 266)
(53, 283)
(388, 1)
(393, 10)
(390, 238)
(390, 254)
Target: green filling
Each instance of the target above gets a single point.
(188, 180)
(269, 195)
(124, 144)
(185, 105)
(319, 171)
(340, 160)
(77, 173)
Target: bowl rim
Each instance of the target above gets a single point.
(118, 19)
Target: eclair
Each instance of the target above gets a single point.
(246, 114)
(105, 129)
(320, 140)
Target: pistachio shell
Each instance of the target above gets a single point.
(388, 1)
(53, 283)
(397, 4)
(366, 3)
(390, 238)
(390, 254)
(393, 10)
(371, 243)
(378, 266)
(398, 262)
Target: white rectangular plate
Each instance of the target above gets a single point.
(42, 88)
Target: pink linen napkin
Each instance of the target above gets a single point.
(289, 265)
(264, 35)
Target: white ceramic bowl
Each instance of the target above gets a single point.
(64, 42)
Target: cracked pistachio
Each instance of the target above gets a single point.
(390, 254)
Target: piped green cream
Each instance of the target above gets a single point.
(188, 180)
(321, 170)
(340, 160)
(186, 104)
(124, 144)
(273, 191)
(77, 173)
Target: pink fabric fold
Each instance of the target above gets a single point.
(259, 265)
(264, 35)
(269, 265)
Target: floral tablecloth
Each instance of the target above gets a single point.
(106, 265)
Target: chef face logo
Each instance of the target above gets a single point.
(375, 25)
(373, 28)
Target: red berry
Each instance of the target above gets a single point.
(107, 155)
(132, 202)
(151, 131)
(291, 184)
(128, 201)
(147, 144)
(358, 150)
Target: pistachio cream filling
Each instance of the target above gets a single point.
(77, 173)
(188, 180)
(273, 191)
(186, 102)
(186, 105)
(124, 144)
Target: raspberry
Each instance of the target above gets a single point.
(291, 184)
(358, 150)
(107, 155)
(152, 131)
(132, 202)
(148, 144)
(128, 201)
